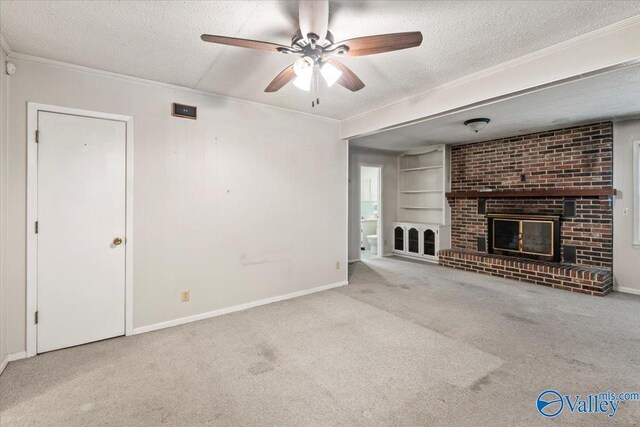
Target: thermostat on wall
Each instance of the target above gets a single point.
(186, 111)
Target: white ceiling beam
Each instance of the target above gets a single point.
(608, 47)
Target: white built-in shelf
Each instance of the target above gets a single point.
(423, 180)
(422, 207)
(420, 191)
(421, 168)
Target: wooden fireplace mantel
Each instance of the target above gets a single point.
(551, 192)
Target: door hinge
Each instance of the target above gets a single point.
(36, 227)
(36, 317)
(37, 136)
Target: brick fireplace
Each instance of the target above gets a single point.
(562, 176)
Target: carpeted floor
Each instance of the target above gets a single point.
(405, 343)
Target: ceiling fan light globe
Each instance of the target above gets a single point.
(303, 67)
(303, 82)
(330, 73)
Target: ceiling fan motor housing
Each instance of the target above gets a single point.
(299, 41)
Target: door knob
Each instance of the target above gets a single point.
(117, 241)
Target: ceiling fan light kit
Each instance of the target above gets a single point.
(315, 46)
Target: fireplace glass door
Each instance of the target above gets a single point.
(537, 237)
(506, 234)
(533, 237)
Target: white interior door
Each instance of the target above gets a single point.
(81, 211)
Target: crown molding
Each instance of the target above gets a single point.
(4, 45)
(140, 80)
(567, 44)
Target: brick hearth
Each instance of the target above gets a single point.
(568, 277)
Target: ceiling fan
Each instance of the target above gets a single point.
(315, 46)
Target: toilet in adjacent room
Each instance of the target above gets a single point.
(373, 243)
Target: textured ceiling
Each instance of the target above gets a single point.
(614, 95)
(160, 41)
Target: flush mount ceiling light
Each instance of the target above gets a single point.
(315, 46)
(476, 125)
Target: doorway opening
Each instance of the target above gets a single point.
(370, 211)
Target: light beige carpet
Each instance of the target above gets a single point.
(404, 343)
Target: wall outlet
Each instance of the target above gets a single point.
(337, 265)
(184, 296)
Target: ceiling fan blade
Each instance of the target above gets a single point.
(251, 44)
(348, 78)
(314, 18)
(370, 45)
(281, 79)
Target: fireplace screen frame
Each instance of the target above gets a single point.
(553, 220)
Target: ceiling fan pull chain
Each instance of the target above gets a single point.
(315, 86)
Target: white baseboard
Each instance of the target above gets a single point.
(17, 356)
(351, 261)
(417, 258)
(220, 312)
(12, 358)
(626, 290)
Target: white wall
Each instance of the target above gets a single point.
(3, 180)
(626, 258)
(246, 203)
(389, 162)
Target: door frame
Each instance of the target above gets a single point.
(379, 227)
(32, 209)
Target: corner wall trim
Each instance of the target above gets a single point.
(627, 290)
(232, 309)
(5, 46)
(12, 358)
